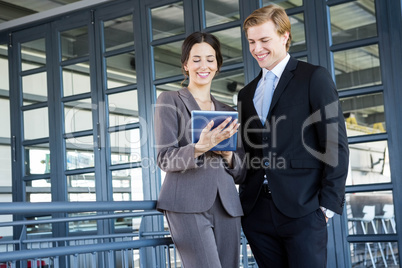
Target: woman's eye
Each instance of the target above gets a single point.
(196, 60)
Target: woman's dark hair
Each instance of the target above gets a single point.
(197, 38)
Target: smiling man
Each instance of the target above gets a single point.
(295, 139)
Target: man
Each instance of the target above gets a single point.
(295, 139)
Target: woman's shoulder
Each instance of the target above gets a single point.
(167, 96)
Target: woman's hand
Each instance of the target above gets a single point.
(227, 156)
(211, 137)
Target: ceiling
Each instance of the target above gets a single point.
(14, 9)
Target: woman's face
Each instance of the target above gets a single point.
(201, 65)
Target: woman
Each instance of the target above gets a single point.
(198, 195)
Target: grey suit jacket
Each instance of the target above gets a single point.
(191, 184)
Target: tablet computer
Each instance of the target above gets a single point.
(199, 120)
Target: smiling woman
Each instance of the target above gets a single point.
(199, 192)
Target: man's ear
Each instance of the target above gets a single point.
(285, 37)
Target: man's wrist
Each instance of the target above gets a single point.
(327, 212)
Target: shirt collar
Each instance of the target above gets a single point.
(279, 68)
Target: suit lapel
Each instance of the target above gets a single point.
(188, 100)
(286, 76)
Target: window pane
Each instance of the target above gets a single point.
(121, 70)
(5, 172)
(360, 254)
(37, 159)
(364, 114)
(4, 83)
(76, 79)
(125, 146)
(74, 43)
(218, 11)
(366, 213)
(225, 86)
(80, 152)
(168, 87)
(369, 163)
(353, 21)
(123, 108)
(167, 60)
(34, 87)
(298, 34)
(127, 185)
(38, 190)
(231, 48)
(167, 20)
(118, 33)
(33, 54)
(5, 117)
(81, 187)
(77, 115)
(357, 67)
(36, 124)
(283, 3)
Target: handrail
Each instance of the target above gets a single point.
(80, 249)
(137, 208)
(71, 207)
(81, 218)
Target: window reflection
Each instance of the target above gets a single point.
(81, 186)
(125, 146)
(167, 20)
(352, 21)
(231, 48)
(357, 67)
(369, 163)
(121, 70)
(284, 3)
(360, 254)
(365, 209)
(127, 185)
(364, 114)
(79, 153)
(118, 33)
(371, 214)
(34, 87)
(76, 79)
(167, 60)
(33, 54)
(298, 34)
(36, 123)
(77, 115)
(74, 43)
(123, 108)
(226, 85)
(219, 12)
(37, 159)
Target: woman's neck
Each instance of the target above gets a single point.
(200, 94)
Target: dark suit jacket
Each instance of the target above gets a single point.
(303, 143)
(191, 185)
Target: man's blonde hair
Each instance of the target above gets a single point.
(273, 13)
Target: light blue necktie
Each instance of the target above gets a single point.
(268, 92)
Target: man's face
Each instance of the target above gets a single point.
(266, 45)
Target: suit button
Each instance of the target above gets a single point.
(265, 138)
(266, 163)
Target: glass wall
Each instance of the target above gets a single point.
(5, 138)
(357, 68)
(83, 87)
